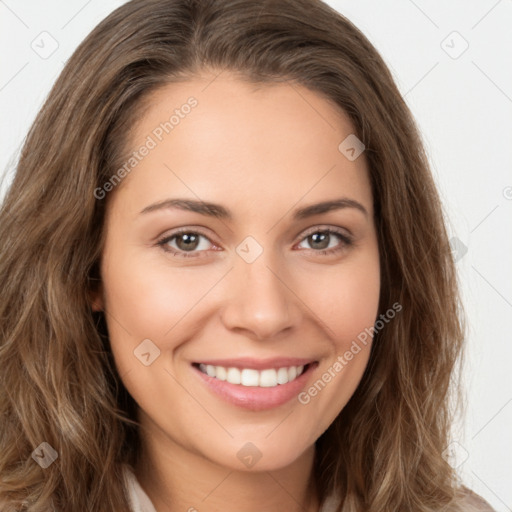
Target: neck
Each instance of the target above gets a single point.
(177, 480)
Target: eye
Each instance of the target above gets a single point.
(185, 241)
(323, 241)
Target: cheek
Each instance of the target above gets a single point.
(144, 300)
(346, 298)
(147, 297)
(347, 302)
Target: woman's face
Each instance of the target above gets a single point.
(253, 291)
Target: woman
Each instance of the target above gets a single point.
(227, 281)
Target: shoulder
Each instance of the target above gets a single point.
(468, 501)
(472, 502)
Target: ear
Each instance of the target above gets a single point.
(96, 298)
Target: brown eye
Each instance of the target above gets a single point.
(187, 241)
(183, 242)
(323, 241)
(319, 240)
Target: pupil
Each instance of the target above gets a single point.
(189, 239)
(321, 238)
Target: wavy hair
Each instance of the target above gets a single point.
(58, 381)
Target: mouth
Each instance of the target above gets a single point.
(250, 377)
(255, 385)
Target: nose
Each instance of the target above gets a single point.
(260, 303)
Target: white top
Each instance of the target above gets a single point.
(140, 502)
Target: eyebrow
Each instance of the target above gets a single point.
(220, 212)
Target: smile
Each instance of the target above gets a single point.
(267, 378)
(253, 384)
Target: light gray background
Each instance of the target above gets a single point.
(462, 101)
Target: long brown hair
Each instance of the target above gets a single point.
(58, 383)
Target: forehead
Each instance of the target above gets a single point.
(224, 139)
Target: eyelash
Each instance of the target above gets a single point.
(345, 239)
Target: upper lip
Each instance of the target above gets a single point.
(258, 364)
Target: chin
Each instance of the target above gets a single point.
(260, 454)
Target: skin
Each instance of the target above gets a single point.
(261, 152)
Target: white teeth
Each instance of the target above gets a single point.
(268, 378)
(220, 373)
(282, 375)
(249, 377)
(233, 376)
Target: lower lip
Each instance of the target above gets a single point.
(256, 398)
